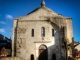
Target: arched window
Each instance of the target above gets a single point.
(32, 32)
(52, 32)
(42, 31)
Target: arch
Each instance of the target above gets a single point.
(43, 53)
(32, 57)
(53, 57)
(42, 46)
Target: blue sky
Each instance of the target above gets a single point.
(10, 9)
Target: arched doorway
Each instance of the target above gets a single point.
(53, 57)
(32, 57)
(43, 53)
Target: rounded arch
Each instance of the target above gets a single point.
(53, 56)
(42, 46)
(32, 57)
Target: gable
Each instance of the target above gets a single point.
(41, 13)
(44, 13)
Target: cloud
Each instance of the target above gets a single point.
(1, 22)
(9, 17)
(2, 30)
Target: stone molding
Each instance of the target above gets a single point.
(42, 42)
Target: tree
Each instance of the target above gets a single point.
(3, 52)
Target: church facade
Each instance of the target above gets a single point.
(42, 35)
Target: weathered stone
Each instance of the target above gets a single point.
(25, 45)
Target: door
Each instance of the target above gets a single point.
(53, 57)
(43, 54)
(32, 57)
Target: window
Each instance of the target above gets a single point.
(32, 32)
(52, 32)
(43, 31)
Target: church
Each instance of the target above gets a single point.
(42, 35)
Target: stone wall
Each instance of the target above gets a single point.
(76, 59)
(13, 38)
(18, 58)
(69, 36)
(69, 30)
(26, 44)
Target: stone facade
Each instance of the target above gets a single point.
(57, 41)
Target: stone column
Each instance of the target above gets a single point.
(13, 37)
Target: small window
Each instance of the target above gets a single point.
(32, 32)
(43, 31)
(52, 32)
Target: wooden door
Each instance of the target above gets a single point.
(43, 55)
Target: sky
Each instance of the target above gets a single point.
(10, 9)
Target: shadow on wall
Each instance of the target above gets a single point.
(44, 50)
(49, 53)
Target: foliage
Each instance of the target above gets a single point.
(76, 53)
(3, 52)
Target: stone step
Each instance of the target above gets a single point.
(11, 58)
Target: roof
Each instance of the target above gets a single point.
(76, 44)
(44, 13)
(77, 47)
(44, 8)
(41, 13)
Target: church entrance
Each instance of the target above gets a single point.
(43, 53)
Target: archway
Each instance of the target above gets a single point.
(43, 53)
(32, 57)
(53, 57)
